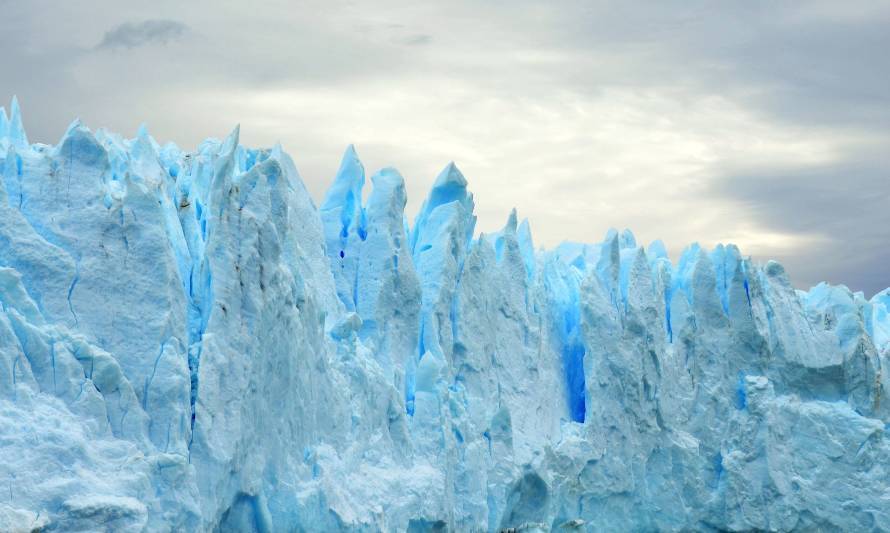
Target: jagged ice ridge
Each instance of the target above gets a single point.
(188, 344)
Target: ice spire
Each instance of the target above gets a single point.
(346, 191)
(498, 238)
(4, 122)
(144, 148)
(527, 246)
(15, 129)
(450, 186)
(512, 222)
(223, 170)
(344, 224)
(225, 165)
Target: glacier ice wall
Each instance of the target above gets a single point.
(187, 343)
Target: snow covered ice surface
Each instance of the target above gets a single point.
(188, 344)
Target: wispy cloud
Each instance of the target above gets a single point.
(417, 39)
(136, 34)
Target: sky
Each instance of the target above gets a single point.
(764, 124)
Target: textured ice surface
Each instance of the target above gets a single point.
(187, 343)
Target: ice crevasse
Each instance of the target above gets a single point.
(187, 343)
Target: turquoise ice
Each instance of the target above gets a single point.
(187, 343)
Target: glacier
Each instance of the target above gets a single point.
(187, 343)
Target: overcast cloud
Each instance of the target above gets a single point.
(766, 124)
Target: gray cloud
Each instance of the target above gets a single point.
(842, 206)
(135, 34)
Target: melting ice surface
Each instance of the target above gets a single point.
(188, 344)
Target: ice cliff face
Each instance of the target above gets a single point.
(188, 344)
